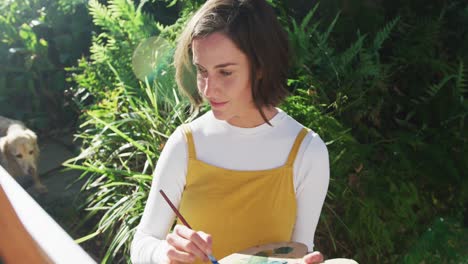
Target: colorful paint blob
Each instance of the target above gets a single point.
(262, 256)
(283, 250)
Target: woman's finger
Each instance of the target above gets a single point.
(183, 244)
(207, 238)
(312, 258)
(177, 256)
(195, 237)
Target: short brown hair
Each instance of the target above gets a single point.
(252, 25)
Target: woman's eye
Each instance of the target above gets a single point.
(201, 72)
(226, 73)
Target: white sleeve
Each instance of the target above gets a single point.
(312, 175)
(170, 174)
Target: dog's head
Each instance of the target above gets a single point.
(21, 151)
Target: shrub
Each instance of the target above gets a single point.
(35, 46)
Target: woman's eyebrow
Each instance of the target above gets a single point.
(225, 65)
(217, 66)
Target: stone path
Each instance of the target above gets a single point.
(61, 201)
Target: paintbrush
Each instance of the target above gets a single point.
(182, 219)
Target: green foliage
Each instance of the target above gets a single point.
(353, 82)
(122, 138)
(123, 28)
(359, 207)
(386, 190)
(390, 103)
(35, 45)
(125, 121)
(443, 242)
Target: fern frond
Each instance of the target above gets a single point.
(461, 83)
(368, 66)
(300, 35)
(101, 15)
(122, 8)
(383, 34)
(349, 54)
(433, 90)
(330, 28)
(142, 3)
(306, 20)
(426, 33)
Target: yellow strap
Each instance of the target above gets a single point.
(296, 146)
(188, 136)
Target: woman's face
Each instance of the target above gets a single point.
(223, 78)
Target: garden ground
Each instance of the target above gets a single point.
(62, 200)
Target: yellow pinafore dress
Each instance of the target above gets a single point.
(239, 209)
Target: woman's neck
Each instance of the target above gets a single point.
(253, 118)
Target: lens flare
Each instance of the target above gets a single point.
(151, 58)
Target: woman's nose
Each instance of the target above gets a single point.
(209, 87)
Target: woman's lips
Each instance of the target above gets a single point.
(217, 104)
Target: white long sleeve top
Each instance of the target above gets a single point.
(259, 148)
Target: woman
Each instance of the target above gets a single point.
(245, 173)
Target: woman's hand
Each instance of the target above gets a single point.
(313, 258)
(186, 245)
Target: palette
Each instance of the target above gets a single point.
(276, 253)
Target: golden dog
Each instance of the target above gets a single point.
(19, 151)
